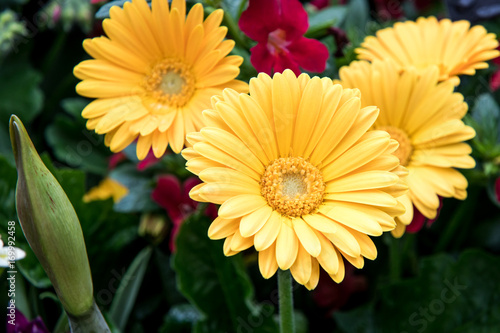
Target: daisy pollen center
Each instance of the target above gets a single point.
(292, 186)
(405, 148)
(171, 83)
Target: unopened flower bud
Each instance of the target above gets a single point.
(51, 225)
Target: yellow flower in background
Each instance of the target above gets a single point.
(107, 188)
(424, 116)
(297, 175)
(155, 73)
(451, 46)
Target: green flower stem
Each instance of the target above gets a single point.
(394, 258)
(287, 320)
(90, 322)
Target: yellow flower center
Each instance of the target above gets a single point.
(292, 186)
(171, 83)
(405, 147)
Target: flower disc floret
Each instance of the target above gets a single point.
(292, 186)
(297, 175)
(424, 116)
(154, 73)
(170, 83)
(405, 148)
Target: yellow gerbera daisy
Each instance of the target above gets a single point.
(154, 73)
(424, 116)
(297, 175)
(451, 46)
(107, 188)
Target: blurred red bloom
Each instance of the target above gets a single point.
(279, 26)
(389, 9)
(117, 158)
(173, 196)
(332, 296)
(420, 220)
(495, 77)
(320, 4)
(495, 80)
(150, 160)
(23, 325)
(497, 190)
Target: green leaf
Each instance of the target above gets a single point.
(234, 7)
(356, 20)
(7, 190)
(9, 3)
(77, 147)
(75, 106)
(19, 90)
(323, 19)
(167, 275)
(359, 320)
(217, 285)
(5, 147)
(140, 186)
(103, 12)
(127, 292)
(448, 295)
(486, 121)
(180, 318)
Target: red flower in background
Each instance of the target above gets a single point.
(332, 296)
(23, 325)
(497, 189)
(174, 198)
(320, 4)
(495, 77)
(150, 160)
(117, 158)
(279, 26)
(420, 220)
(389, 9)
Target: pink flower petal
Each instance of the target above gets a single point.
(497, 189)
(293, 19)
(150, 160)
(187, 186)
(259, 19)
(168, 195)
(115, 159)
(320, 4)
(285, 61)
(417, 223)
(495, 80)
(420, 220)
(309, 54)
(261, 58)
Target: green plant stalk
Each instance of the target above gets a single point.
(394, 258)
(287, 320)
(90, 322)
